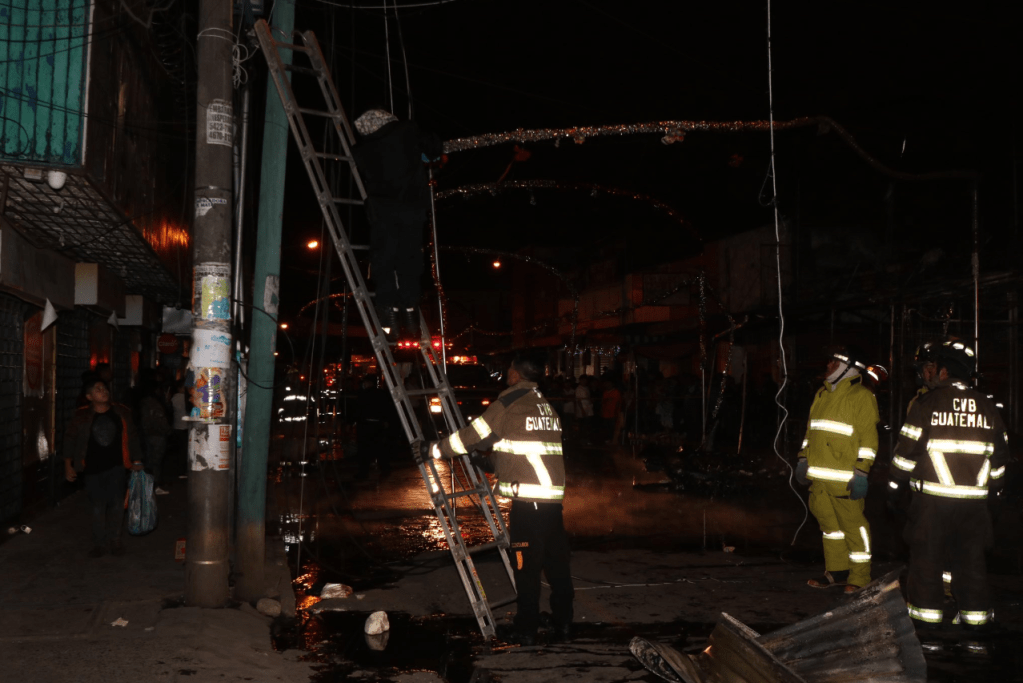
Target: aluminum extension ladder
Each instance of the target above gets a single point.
(467, 481)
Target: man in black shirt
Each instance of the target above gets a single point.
(390, 155)
(100, 443)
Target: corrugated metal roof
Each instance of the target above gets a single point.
(78, 221)
(870, 639)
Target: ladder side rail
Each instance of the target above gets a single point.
(455, 421)
(333, 101)
(474, 588)
(456, 544)
(332, 218)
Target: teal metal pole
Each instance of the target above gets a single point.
(251, 548)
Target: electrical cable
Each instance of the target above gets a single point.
(373, 8)
(387, 48)
(404, 59)
(781, 309)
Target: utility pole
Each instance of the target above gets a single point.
(263, 336)
(206, 566)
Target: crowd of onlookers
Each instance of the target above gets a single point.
(609, 408)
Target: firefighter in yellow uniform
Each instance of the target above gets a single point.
(952, 450)
(523, 433)
(839, 448)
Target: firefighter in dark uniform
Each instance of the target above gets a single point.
(926, 370)
(523, 432)
(390, 155)
(952, 450)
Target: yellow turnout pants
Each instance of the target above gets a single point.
(846, 532)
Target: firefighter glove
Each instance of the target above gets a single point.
(420, 450)
(483, 462)
(801, 468)
(858, 486)
(896, 496)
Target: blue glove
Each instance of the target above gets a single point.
(858, 486)
(801, 468)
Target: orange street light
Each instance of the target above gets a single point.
(312, 244)
(284, 326)
(497, 264)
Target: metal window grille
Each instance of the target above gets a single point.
(11, 372)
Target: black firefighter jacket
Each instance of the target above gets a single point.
(524, 434)
(952, 445)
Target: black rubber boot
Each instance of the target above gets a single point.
(830, 579)
(389, 324)
(410, 323)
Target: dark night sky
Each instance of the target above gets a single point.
(941, 83)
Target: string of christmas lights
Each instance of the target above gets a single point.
(671, 132)
(675, 131)
(594, 189)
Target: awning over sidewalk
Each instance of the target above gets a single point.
(78, 221)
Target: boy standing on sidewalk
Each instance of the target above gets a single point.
(100, 443)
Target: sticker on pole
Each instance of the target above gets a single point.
(219, 123)
(203, 205)
(209, 448)
(212, 294)
(271, 294)
(207, 394)
(211, 348)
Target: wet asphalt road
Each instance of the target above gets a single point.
(366, 533)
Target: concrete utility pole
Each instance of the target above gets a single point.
(263, 336)
(206, 566)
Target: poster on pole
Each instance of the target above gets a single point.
(212, 292)
(211, 348)
(219, 122)
(210, 448)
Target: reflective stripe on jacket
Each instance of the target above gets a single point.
(953, 444)
(841, 434)
(524, 434)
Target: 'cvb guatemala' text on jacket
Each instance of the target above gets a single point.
(952, 445)
(524, 433)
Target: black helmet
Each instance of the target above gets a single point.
(957, 358)
(925, 354)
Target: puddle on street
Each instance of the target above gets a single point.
(366, 533)
(449, 645)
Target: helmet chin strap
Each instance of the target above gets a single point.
(839, 374)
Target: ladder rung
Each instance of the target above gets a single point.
(333, 157)
(483, 548)
(319, 112)
(301, 70)
(290, 46)
(421, 392)
(464, 494)
(345, 200)
(360, 247)
(502, 602)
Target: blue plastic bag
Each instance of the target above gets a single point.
(141, 504)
